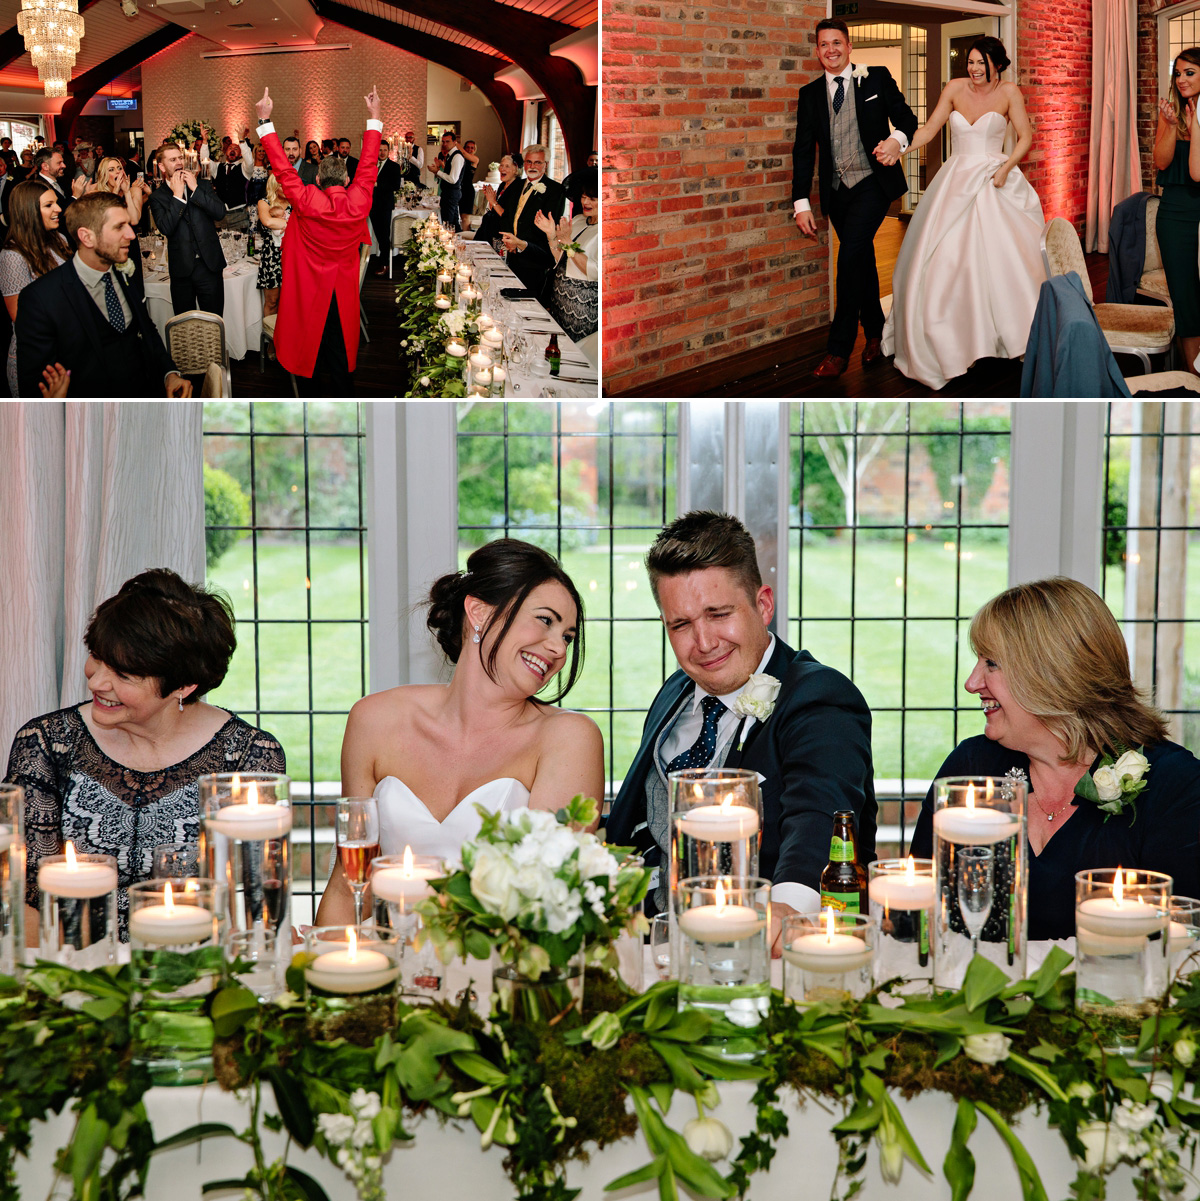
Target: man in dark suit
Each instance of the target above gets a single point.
(343, 151)
(844, 116)
(383, 200)
(528, 252)
(185, 211)
(813, 749)
(89, 318)
(230, 181)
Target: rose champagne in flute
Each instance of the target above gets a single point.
(357, 843)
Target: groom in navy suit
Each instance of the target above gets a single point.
(860, 124)
(813, 751)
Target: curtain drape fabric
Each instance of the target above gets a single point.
(91, 494)
(1114, 167)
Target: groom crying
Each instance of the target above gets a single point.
(858, 121)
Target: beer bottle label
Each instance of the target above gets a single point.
(924, 933)
(841, 850)
(843, 902)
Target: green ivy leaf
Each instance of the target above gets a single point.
(983, 981)
(292, 1104)
(959, 1164)
(232, 1008)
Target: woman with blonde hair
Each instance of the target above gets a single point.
(1177, 157)
(1107, 788)
(273, 213)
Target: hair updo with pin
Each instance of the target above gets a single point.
(502, 574)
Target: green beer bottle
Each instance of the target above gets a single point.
(844, 880)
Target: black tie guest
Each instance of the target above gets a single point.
(383, 200)
(344, 146)
(812, 752)
(185, 212)
(842, 119)
(90, 319)
(527, 252)
(1052, 677)
(231, 181)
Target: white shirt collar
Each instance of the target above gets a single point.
(90, 276)
(843, 74)
(727, 700)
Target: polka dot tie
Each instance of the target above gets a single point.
(840, 95)
(112, 304)
(700, 753)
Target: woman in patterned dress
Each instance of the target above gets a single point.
(117, 775)
(273, 213)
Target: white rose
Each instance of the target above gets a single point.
(1131, 764)
(986, 1048)
(757, 698)
(492, 878)
(1104, 1145)
(594, 860)
(1131, 1116)
(530, 881)
(1108, 783)
(708, 1137)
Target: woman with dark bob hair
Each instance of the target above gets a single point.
(1053, 679)
(430, 753)
(116, 775)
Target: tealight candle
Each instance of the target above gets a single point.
(908, 891)
(484, 322)
(726, 822)
(721, 922)
(969, 826)
(76, 878)
(1117, 916)
(456, 348)
(442, 302)
(251, 821)
(407, 884)
(169, 924)
(444, 281)
(353, 970)
(479, 360)
(499, 375)
(492, 337)
(483, 377)
(828, 953)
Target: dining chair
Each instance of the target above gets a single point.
(1153, 280)
(1140, 330)
(401, 230)
(195, 340)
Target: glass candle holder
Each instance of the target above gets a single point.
(902, 896)
(500, 378)
(716, 820)
(398, 882)
(980, 876)
(251, 961)
(1183, 934)
(176, 929)
(78, 909)
(827, 956)
(722, 935)
(12, 878)
(172, 861)
(248, 845)
(445, 283)
(1121, 942)
(350, 973)
(456, 348)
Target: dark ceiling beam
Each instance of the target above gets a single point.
(525, 38)
(12, 44)
(83, 87)
(474, 66)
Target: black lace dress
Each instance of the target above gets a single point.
(74, 791)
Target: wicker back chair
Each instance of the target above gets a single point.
(1153, 281)
(196, 339)
(401, 229)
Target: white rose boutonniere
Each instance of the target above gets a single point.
(756, 701)
(126, 268)
(538, 187)
(859, 73)
(1116, 783)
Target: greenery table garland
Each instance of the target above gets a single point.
(349, 1084)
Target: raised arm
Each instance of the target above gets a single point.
(1020, 122)
(299, 195)
(1165, 136)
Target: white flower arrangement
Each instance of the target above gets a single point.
(1115, 784)
(756, 701)
(454, 321)
(351, 1143)
(860, 73)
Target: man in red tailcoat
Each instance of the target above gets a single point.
(317, 328)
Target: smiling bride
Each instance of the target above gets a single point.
(969, 270)
(429, 753)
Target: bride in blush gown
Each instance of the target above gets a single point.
(978, 223)
(429, 753)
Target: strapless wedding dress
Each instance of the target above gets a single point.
(970, 267)
(405, 820)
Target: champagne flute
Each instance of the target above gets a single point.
(976, 880)
(357, 844)
(660, 944)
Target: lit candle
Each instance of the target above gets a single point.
(829, 953)
(909, 891)
(1180, 936)
(725, 822)
(492, 337)
(499, 375)
(352, 970)
(73, 878)
(974, 827)
(721, 922)
(407, 884)
(251, 821)
(457, 348)
(442, 302)
(483, 377)
(169, 924)
(444, 281)
(484, 322)
(1117, 916)
(479, 360)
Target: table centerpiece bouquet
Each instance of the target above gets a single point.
(545, 895)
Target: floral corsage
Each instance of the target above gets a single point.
(570, 249)
(537, 187)
(1115, 783)
(859, 73)
(756, 701)
(126, 268)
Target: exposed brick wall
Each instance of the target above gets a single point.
(702, 259)
(1054, 43)
(1148, 90)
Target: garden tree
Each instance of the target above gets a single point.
(225, 504)
(863, 427)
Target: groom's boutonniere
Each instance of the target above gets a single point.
(126, 268)
(1115, 783)
(756, 701)
(859, 73)
(538, 187)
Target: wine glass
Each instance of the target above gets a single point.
(660, 944)
(976, 886)
(237, 245)
(357, 844)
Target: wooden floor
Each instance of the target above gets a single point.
(784, 369)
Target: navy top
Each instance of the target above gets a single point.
(1161, 832)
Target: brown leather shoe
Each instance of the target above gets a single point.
(872, 353)
(830, 367)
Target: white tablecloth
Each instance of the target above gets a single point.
(243, 306)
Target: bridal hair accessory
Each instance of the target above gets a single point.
(859, 73)
(476, 638)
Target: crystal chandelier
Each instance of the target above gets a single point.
(51, 29)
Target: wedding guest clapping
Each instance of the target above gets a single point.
(111, 177)
(430, 753)
(1059, 704)
(1177, 157)
(116, 775)
(502, 202)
